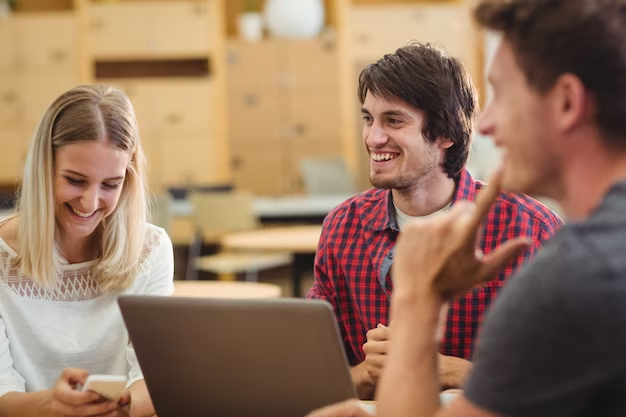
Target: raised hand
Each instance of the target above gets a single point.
(439, 256)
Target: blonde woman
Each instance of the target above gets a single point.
(79, 239)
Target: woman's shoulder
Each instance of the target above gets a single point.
(155, 234)
(9, 233)
(155, 237)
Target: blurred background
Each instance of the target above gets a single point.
(249, 96)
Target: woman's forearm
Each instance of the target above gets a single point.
(140, 401)
(24, 404)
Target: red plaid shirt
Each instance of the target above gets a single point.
(355, 253)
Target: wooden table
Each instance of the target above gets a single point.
(301, 241)
(221, 289)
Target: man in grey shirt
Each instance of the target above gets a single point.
(554, 343)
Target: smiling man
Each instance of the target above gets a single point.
(419, 108)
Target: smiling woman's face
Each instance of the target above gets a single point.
(88, 181)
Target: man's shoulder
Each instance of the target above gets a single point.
(527, 209)
(352, 209)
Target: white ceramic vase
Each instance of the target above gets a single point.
(251, 26)
(296, 19)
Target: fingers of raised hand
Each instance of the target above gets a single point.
(496, 260)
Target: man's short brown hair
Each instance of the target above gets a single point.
(431, 81)
(586, 38)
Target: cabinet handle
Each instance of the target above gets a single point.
(251, 100)
(362, 38)
(97, 24)
(199, 9)
(58, 56)
(173, 119)
(237, 163)
(232, 58)
(9, 98)
(419, 15)
(300, 129)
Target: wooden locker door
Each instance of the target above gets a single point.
(49, 44)
(139, 92)
(299, 151)
(314, 117)
(120, 30)
(10, 107)
(363, 162)
(435, 23)
(38, 92)
(8, 46)
(150, 142)
(259, 170)
(378, 30)
(183, 105)
(311, 64)
(252, 66)
(14, 148)
(256, 118)
(180, 28)
(189, 160)
(446, 25)
(315, 132)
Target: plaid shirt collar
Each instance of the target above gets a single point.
(378, 214)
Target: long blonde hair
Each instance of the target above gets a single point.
(84, 113)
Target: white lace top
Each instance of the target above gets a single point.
(42, 332)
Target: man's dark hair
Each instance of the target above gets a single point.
(586, 38)
(431, 81)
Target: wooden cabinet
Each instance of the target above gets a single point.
(256, 118)
(446, 25)
(150, 28)
(252, 66)
(39, 62)
(48, 43)
(14, 147)
(10, 109)
(177, 129)
(147, 48)
(260, 169)
(283, 106)
(8, 46)
(37, 92)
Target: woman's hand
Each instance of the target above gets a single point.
(349, 408)
(65, 400)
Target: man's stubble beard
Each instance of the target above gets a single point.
(405, 183)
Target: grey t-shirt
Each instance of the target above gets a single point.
(554, 342)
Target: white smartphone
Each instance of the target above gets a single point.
(110, 387)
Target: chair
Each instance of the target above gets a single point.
(216, 214)
(160, 211)
(323, 176)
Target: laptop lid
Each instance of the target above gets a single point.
(218, 357)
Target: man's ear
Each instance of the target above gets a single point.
(444, 143)
(571, 102)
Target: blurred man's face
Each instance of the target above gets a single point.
(400, 157)
(519, 121)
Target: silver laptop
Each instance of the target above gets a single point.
(216, 357)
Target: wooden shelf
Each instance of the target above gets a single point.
(139, 68)
(23, 6)
(233, 9)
